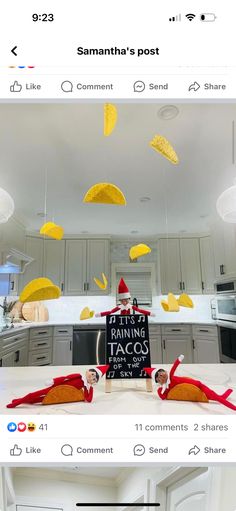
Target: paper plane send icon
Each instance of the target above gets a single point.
(194, 86)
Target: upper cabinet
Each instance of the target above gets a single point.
(85, 259)
(34, 248)
(207, 265)
(54, 261)
(190, 266)
(180, 266)
(224, 246)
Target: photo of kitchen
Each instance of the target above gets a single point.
(72, 488)
(117, 258)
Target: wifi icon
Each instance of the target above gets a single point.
(190, 17)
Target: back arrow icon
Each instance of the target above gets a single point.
(14, 51)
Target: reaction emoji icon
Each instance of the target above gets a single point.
(31, 427)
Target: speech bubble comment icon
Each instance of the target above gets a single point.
(139, 86)
(139, 450)
(67, 86)
(67, 450)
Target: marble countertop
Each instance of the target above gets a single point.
(127, 397)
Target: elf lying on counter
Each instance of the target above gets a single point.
(182, 388)
(65, 389)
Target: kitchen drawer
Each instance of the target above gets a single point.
(205, 331)
(8, 340)
(64, 331)
(42, 343)
(40, 358)
(176, 329)
(40, 332)
(154, 330)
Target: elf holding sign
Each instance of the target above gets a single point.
(125, 306)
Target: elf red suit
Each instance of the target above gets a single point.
(125, 307)
(74, 380)
(169, 381)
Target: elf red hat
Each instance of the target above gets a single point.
(149, 371)
(123, 290)
(101, 370)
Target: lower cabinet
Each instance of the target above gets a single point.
(177, 340)
(62, 351)
(174, 346)
(17, 356)
(205, 344)
(155, 344)
(40, 346)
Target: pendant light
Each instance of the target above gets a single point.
(226, 202)
(6, 206)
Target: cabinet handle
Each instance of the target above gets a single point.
(12, 285)
(41, 343)
(70, 345)
(62, 287)
(0, 362)
(175, 329)
(62, 331)
(193, 345)
(222, 269)
(180, 286)
(183, 286)
(40, 358)
(164, 344)
(202, 330)
(42, 332)
(203, 287)
(84, 286)
(17, 356)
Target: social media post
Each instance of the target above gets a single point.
(117, 259)
(166, 488)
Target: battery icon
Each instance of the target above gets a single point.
(207, 16)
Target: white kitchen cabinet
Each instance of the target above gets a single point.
(17, 356)
(155, 344)
(190, 265)
(207, 265)
(97, 263)
(85, 259)
(40, 346)
(75, 267)
(7, 359)
(54, 262)
(205, 344)
(173, 346)
(170, 265)
(180, 265)
(33, 248)
(224, 247)
(62, 351)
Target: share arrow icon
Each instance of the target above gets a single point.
(14, 51)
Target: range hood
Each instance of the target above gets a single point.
(13, 261)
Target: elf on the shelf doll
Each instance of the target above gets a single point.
(125, 306)
(169, 381)
(76, 381)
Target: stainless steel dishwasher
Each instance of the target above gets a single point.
(89, 346)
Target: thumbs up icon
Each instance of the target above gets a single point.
(16, 451)
(15, 87)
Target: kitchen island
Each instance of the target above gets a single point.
(127, 396)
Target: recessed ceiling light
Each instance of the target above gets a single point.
(168, 112)
(41, 214)
(144, 199)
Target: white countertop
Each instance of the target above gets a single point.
(102, 322)
(127, 397)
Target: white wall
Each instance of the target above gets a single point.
(52, 490)
(228, 490)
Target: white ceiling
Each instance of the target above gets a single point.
(68, 141)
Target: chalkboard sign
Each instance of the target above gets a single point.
(127, 346)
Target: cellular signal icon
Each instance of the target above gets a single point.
(175, 18)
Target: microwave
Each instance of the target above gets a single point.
(225, 307)
(225, 287)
